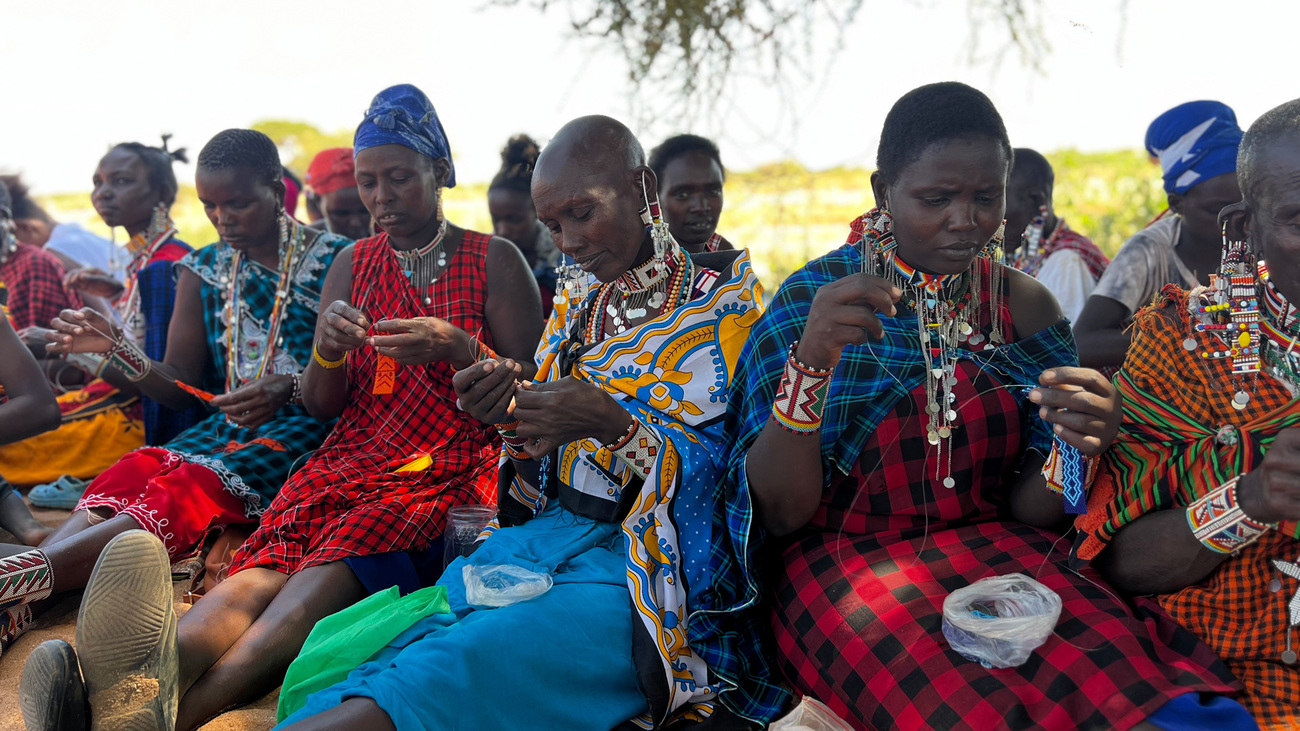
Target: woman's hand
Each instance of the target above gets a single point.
(1271, 492)
(844, 313)
(34, 337)
(563, 411)
(256, 403)
(341, 329)
(92, 281)
(81, 331)
(1082, 405)
(422, 340)
(486, 390)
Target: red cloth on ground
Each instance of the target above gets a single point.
(348, 500)
(177, 501)
(332, 170)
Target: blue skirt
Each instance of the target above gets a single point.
(562, 660)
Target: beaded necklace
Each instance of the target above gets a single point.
(944, 307)
(291, 239)
(143, 248)
(655, 285)
(1229, 309)
(424, 265)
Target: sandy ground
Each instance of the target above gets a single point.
(60, 623)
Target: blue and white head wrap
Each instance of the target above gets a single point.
(403, 115)
(1195, 141)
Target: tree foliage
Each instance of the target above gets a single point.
(690, 48)
(299, 142)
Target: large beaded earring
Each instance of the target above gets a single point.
(653, 219)
(160, 224)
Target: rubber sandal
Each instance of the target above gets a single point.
(62, 494)
(51, 693)
(126, 636)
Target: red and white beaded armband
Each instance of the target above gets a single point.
(1218, 521)
(638, 448)
(801, 398)
(129, 359)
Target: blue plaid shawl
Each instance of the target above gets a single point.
(868, 383)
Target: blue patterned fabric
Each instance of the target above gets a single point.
(156, 283)
(868, 382)
(254, 463)
(1195, 141)
(403, 115)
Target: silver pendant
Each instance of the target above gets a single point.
(1189, 344)
(932, 437)
(1240, 399)
(657, 300)
(949, 483)
(952, 415)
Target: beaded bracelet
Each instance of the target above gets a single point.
(1218, 521)
(328, 365)
(638, 448)
(481, 351)
(129, 359)
(802, 396)
(1070, 474)
(296, 397)
(513, 443)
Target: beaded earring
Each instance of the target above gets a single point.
(1229, 309)
(654, 222)
(571, 283)
(160, 224)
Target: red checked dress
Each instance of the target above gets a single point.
(859, 604)
(348, 499)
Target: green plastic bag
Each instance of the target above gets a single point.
(341, 642)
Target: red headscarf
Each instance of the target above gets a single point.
(332, 170)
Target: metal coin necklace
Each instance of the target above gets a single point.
(657, 285)
(424, 265)
(240, 350)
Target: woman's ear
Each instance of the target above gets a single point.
(880, 191)
(1235, 220)
(643, 176)
(1175, 202)
(279, 191)
(442, 171)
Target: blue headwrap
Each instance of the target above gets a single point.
(1195, 141)
(403, 115)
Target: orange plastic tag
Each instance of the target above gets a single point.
(385, 374)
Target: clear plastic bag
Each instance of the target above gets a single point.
(810, 715)
(998, 621)
(502, 585)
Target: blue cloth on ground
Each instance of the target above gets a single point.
(1203, 712)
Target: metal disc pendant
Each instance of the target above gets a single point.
(1275, 585)
(1189, 344)
(949, 483)
(427, 301)
(952, 415)
(936, 372)
(656, 299)
(944, 432)
(1289, 657)
(932, 408)
(557, 299)
(1240, 399)
(932, 437)
(965, 328)
(976, 339)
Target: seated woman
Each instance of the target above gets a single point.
(407, 308)
(1199, 500)
(510, 203)
(27, 408)
(135, 188)
(1196, 144)
(33, 276)
(690, 173)
(264, 277)
(612, 460)
(888, 428)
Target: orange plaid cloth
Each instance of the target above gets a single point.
(1168, 455)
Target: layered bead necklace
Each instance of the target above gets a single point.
(945, 307)
(142, 247)
(238, 353)
(657, 285)
(424, 265)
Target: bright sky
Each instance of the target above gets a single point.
(82, 75)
